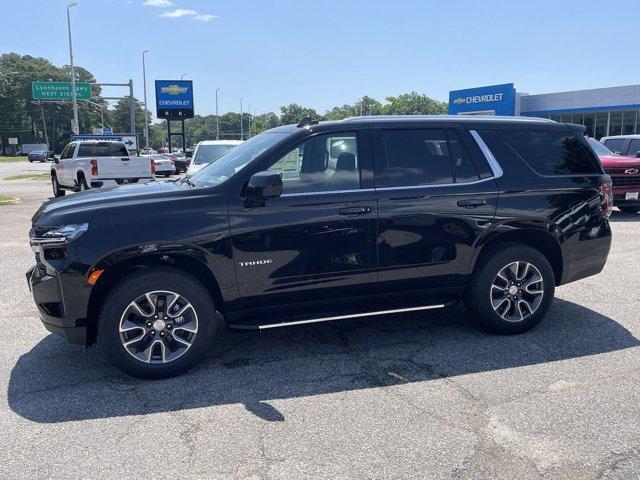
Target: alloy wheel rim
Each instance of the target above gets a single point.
(517, 291)
(158, 327)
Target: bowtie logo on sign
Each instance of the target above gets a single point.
(173, 89)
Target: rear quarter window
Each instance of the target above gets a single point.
(550, 152)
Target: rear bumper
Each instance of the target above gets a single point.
(49, 297)
(114, 182)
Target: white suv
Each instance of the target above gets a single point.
(208, 151)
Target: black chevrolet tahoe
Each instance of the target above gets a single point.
(326, 221)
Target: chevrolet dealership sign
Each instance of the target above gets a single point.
(498, 99)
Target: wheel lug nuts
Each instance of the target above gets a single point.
(155, 316)
(162, 334)
(153, 332)
(169, 326)
(149, 324)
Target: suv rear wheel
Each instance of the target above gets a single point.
(157, 323)
(512, 290)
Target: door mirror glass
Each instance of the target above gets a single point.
(263, 185)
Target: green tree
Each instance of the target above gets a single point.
(33, 121)
(413, 103)
(293, 113)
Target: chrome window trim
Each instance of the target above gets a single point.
(435, 185)
(493, 163)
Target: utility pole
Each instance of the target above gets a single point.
(249, 112)
(74, 100)
(44, 126)
(217, 117)
(241, 122)
(146, 113)
(132, 107)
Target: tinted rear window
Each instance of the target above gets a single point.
(551, 152)
(615, 144)
(102, 149)
(417, 157)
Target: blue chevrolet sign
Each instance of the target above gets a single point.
(174, 99)
(493, 99)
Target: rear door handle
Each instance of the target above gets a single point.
(354, 211)
(471, 203)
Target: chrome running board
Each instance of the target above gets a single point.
(354, 315)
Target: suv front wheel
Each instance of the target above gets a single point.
(512, 290)
(157, 323)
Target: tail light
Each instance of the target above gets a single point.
(94, 167)
(606, 194)
(153, 167)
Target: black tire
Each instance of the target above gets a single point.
(57, 190)
(478, 296)
(136, 285)
(82, 184)
(629, 209)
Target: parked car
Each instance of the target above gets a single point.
(320, 222)
(208, 151)
(40, 156)
(163, 164)
(97, 163)
(180, 161)
(625, 175)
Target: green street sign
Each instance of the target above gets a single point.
(60, 90)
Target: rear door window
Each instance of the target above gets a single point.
(425, 157)
(416, 157)
(634, 147)
(68, 151)
(615, 144)
(551, 152)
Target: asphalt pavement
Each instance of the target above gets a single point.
(423, 395)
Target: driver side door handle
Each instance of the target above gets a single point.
(354, 211)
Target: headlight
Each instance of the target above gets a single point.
(61, 235)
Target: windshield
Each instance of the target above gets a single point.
(236, 159)
(599, 148)
(210, 153)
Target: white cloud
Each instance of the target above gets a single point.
(179, 12)
(158, 3)
(187, 12)
(205, 17)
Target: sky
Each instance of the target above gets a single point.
(324, 53)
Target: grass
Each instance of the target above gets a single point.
(8, 200)
(12, 159)
(29, 176)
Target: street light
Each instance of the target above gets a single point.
(183, 75)
(241, 126)
(74, 100)
(217, 117)
(146, 112)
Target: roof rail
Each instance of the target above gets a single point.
(306, 121)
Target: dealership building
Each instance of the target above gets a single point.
(603, 111)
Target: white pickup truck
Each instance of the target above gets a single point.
(85, 164)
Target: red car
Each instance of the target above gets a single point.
(625, 173)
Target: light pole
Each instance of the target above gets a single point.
(74, 100)
(183, 75)
(241, 125)
(249, 112)
(146, 112)
(217, 117)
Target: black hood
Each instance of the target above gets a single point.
(80, 207)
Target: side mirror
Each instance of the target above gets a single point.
(262, 185)
(56, 159)
(638, 154)
(188, 154)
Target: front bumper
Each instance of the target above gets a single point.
(48, 294)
